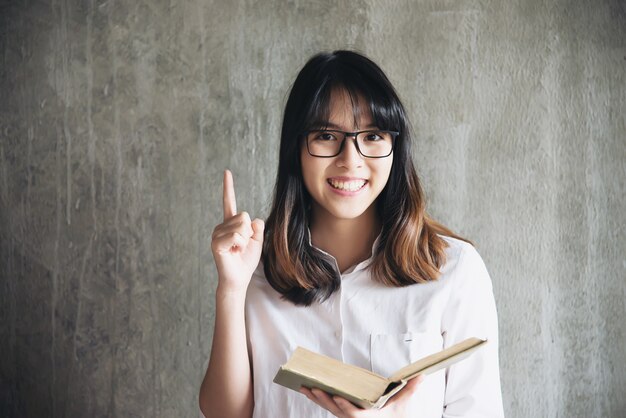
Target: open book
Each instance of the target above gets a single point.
(360, 386)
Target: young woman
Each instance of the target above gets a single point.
(349, 265)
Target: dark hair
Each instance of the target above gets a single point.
(410, 249)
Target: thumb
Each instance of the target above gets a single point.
(258, 226)
(412, 385)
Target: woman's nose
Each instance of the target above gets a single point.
(350, 155)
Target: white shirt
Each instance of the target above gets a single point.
(383, 329)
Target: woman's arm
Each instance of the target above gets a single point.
(226, 391)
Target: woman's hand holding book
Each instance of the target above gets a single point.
(396, 407)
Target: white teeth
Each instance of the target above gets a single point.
(350, 186)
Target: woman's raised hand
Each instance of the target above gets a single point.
(236, 243)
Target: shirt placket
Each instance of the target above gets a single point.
(339, 323)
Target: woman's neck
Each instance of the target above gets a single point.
(348, 240)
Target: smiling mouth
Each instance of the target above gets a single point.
(348, 186)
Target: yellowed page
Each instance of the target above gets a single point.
(439, 360)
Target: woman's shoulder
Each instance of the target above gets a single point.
(462, 259)
(455, 246)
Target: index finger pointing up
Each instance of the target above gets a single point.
(230, 204)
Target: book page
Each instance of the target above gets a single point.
(439, 360)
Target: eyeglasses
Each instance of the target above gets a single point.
(370, 144)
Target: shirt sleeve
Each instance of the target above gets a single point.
(472, 385)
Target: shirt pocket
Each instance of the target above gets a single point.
(391, 352)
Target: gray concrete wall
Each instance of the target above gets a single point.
(118, 117)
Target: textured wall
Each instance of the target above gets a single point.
(118, 117)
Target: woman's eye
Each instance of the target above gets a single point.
(373, 136)
(325, 136)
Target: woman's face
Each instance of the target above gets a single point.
(345, 186)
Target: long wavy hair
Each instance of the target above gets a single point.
(410, 248)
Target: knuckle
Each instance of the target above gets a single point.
(239, 237)
(243, 229)
(239, 218)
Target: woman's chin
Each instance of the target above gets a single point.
(350, 212)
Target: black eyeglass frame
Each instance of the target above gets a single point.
(394, 135)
